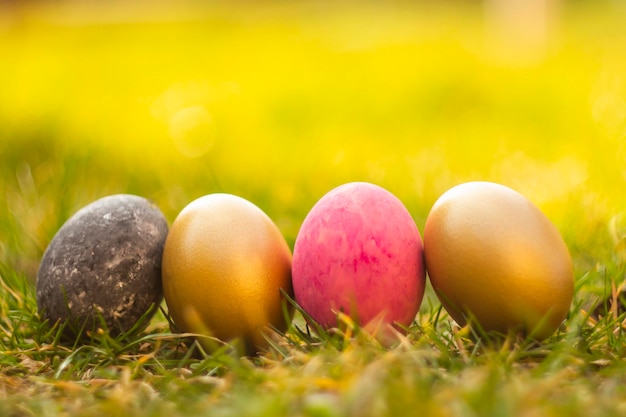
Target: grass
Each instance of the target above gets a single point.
(279, 103)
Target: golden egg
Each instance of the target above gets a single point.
(494, 256)
(224, 264)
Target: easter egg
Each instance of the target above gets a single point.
(494, 256)
(359, 252)
(224, 265)
(104, 265)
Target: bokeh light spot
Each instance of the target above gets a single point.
(192, 131)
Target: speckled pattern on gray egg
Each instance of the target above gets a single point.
(104, 262)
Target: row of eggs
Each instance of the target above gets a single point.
(491, 255)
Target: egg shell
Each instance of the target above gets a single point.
(104, 263)
(492, 254)
(224, 264)
(359, 252)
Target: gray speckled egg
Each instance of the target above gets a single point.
(104, 263)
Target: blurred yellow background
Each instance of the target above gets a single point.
(281, 101)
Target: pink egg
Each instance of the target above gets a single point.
(359, 252)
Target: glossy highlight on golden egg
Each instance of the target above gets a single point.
(224, 265)
(494, 256)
